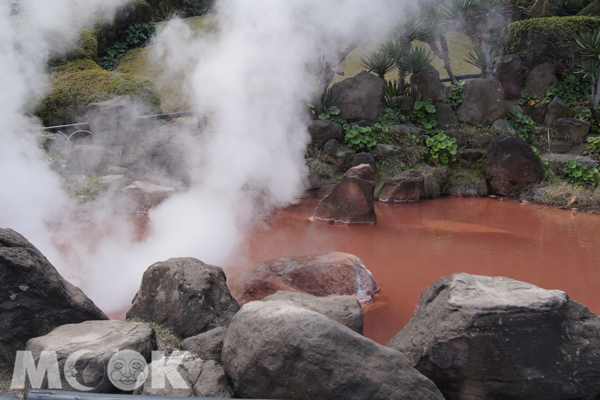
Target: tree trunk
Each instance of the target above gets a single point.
(443, 55)
(489, 71)
(596, 96)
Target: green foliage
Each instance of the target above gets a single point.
(57, 163)
(329, 113)
(136, 35)
(417, 60)
(82, 82)
(165, 10)
(393, 89)
(441, 149)
(578, 175)
(527, 99)
(392, 117)
(523, 124)
(571, 90)
(360, 137)
(456, 95)
(193, 8)
(476, 58)
(424, 114)
(560, 8)
(552, 40)
(379, 61)
(593, 145)
(132, 12)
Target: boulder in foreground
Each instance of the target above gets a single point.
(34, 297)
(322, 275)
(479, 337)
(282, 350)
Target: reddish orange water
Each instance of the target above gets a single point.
(413, 244)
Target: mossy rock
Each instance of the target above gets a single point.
(134, 12)
(80, 46)
(591, 10)
(548, 40)
(81, 82)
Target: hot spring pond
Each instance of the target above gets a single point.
(413, 244)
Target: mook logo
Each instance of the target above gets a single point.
(127, 370)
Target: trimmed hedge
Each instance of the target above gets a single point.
(81, 82)
(548, 40)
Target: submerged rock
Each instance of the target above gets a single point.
(186, 295)
(34, 297)
(280, 349)
(479, 337)
(322, 275)
(352, 200)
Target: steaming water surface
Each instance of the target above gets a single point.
(413, 244)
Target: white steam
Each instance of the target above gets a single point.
(250, 77)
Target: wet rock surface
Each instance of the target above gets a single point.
(99, 344)
(186, 295)
(352, 200)
(321, 275)
(280, 349)
(510, 166)
(408, 186)
(497, 338)
(343, 309)
(34, 297)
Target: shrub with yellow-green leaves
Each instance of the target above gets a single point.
(81, 82)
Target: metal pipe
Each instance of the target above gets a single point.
(86, 125)
(459, 77)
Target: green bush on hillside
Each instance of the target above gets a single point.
(134, 12)
(83, 45)
(81, 82)
(548, 40)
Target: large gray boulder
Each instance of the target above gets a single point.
(141, 196)
(352, 200)
(510, 75)
(321, 130)
(555, 110)
(34, 298)
(186, 295)
(479, 337)
(199, 378)
(483, 103)
(338, 154)
(571, 130)
(321, 275)
(407, 186)
(359, 97)
(282, 350)
(427, 85)
(113, 122)
(101, 343)
(343, 309)
(510, 166)
(163, 151)
(539, 79)
(445, 115)
(207, 345)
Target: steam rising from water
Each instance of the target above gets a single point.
(251, 77)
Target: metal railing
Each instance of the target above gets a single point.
(86, 126)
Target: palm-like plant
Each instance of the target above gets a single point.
(548, 8)
(379, 62)
(476, 58)
(417, 60)
(477, 18)
(588, 44)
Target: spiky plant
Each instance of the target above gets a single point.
(380, 62)
(417, 60)
(549, 8)
(476, 58)
(588, 44)
(430, 31)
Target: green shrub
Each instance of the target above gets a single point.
(571, 90)
(441, 149)
(456, 95)
(134, 12)
(548, 40)
(577, 175)
(77, 84)
(136, 35)
(593, 145)
(82, 46)
(522, 123)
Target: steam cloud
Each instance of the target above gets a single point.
(250, 77)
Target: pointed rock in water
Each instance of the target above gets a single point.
(186, 295)
(480, 337)
(352, 200)
(34, 297)
(322, 275)
(101, 343)
(283, 350)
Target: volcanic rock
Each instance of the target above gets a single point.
(555, 110)
(321, 130)
(34, 298)
(539, 79)
(510, 75)
(444, 115)
(366, 158)
(207, 345)
(280, 349)
(113, 122)
(186, 295)
(100, 343)
(469, 157)
(322, 275)
(352, 200)
(360, 97)
(141, 196)
(479, 337)
(427, 85)
(570, 129)
(383, 151)
(484, 102)
(343, 309)
(408, 186)
(338, 154)
(199, 378)
(509, 166)
(503, 127)
(85, 159)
